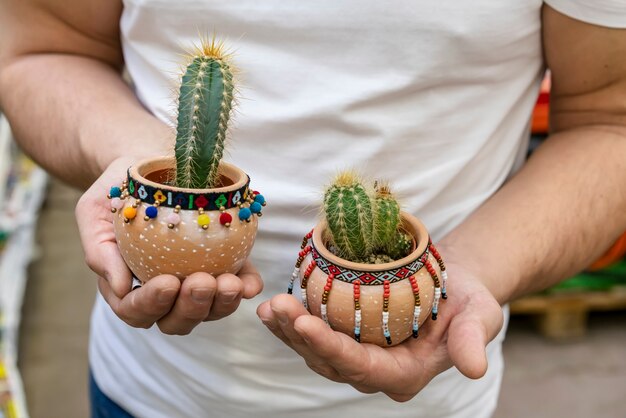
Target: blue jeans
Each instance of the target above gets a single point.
(101, 405)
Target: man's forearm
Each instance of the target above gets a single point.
(559, 213)
(76, 115)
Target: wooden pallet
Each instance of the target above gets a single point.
(562, 316)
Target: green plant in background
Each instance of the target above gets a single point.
(205, 103)
(364, 226)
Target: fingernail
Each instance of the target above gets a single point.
(166, 295)
(229, 297)
(305, 338)
(200, 295)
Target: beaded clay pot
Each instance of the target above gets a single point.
(161, 229)
(382, 304)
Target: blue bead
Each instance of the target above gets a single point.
(259, 199)
(115, 192)
(245, 214)
(256, 207)
(151, 212)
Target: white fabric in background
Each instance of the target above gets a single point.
(434, 95)
(609, 13)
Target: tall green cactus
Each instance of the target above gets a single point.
(349, 215)
(204, 107)
(364, 227)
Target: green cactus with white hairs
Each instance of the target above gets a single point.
(349, 214)
(364, 225)
(386, 215)
(205, 103)
(389, 239)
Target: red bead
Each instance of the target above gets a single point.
(327, 288)
(225, 218)
(331, 276)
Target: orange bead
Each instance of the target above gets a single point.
(130, 212)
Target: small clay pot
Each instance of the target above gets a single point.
(162, 229)
(339, 291)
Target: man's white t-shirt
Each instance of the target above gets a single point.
(434, 95)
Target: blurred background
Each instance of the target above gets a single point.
(565, 351)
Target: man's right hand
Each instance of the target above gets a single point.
(176, 306)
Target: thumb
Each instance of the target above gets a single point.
(467, 341)
(101, 253)
(111, 266)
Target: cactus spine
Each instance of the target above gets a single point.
(349, 215)
(204, 107)
(364, 227)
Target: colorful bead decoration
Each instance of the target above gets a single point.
(327, 287)
(151, 212)
(368, 278)
(386, 293)
(303, 284)
(172, 220)
(226, 218)
(433, 274)
(129, 213)
(417, 309)
(116, 204)
(204, 220)
(442, 268)
(155, 197)
(296, 270)
(115, 192)
(357, 310)
(256, 208)
(245, 214)
(260, 199)
(188, 200)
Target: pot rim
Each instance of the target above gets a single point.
(147, 166)
(411, 225)
(219, 198)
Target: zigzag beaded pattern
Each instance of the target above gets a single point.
(187, 201)
(368, 278)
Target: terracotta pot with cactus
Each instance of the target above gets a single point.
(368, 269)
(190, 212)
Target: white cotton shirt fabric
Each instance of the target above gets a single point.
(434, 95)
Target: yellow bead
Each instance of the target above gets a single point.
(204, 220)
(130, 212)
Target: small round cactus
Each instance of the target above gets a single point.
(364, 226)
